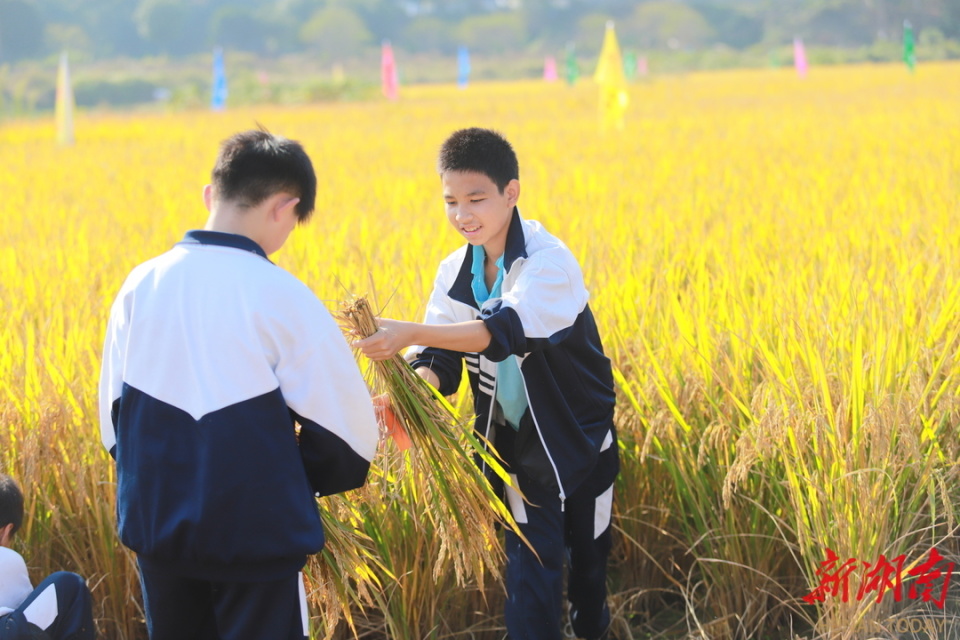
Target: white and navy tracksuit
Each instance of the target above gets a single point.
(212, 353)
(564, 453)
(60, 605)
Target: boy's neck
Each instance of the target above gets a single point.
(218, 221)
(492, 253)
(227, 219)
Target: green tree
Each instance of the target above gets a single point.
(162, 23)
(842, 25)
(493, 32)
(733, 27)
(68, 37)
(428, 34)
(336, 32)
(21, 30)
(550, 23)
(662, 24)
(384, 18)
(590, 30)
(239, 28)
(951, 18)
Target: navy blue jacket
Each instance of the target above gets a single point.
(212, 354)
(543, 318)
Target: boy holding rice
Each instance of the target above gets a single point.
(212, 354)
(512, 304)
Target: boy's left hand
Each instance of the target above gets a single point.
(389, 422)
(392, 337)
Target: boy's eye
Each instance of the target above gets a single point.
(477, 199)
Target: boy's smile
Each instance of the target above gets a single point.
(478, 210)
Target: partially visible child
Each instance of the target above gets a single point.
(59, 608)
(512, 305)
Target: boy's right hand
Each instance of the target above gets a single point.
(392, 337)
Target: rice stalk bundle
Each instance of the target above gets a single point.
(438, 474)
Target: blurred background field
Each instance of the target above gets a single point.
(773, 263)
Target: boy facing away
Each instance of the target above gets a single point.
(212, 353)
(513, 305)
(58, 609)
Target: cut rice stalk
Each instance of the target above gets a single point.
(449, 489)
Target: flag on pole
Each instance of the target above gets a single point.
(799, 57)
(218, 97)
(388, 72)
(642, 66)
(572, 70)
(630, 65)
(64, 103)
(463, 67)
(550, 69)
(909, 51)
(613, 84)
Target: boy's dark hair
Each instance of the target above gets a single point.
(11, 503)
(482, 151)
(253, 165)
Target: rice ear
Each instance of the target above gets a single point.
(456, 497)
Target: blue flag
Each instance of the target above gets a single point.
(218, 99)
(463, 67)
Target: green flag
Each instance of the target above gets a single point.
(630, 64)
(909, 53)
(572, 71)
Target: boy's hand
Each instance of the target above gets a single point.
(389, 423)
(392, 337)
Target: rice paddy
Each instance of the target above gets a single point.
(774, 263)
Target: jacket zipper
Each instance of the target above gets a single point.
(493, 399)
(556, 472)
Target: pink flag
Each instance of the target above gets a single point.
(799, 57)
(642, 68)
(550, 69)
(388, 72)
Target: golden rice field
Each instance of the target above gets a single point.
(775, 266)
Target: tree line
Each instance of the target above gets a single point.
(338, 29)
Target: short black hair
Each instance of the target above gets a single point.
(482, 151)
(11, 502)
(253, 165)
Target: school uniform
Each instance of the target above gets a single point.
(59, 608)
(543, 393)
(212, 354)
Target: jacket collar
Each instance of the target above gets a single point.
(515, 247)
(221, 239)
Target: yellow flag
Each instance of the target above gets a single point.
(65, 103)
(610, 78)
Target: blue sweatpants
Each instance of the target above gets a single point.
(578, 533)
(60, 606)
(180, 608)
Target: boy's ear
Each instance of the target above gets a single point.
(208, 196)
(283, 204)
(512, 191)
